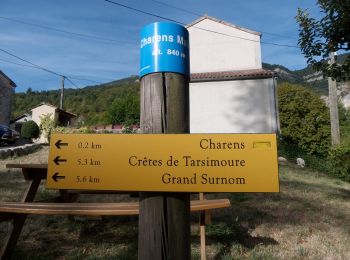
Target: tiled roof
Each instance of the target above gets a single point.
(222, 22)
(232, 75)
(66, 112)
(13, 84)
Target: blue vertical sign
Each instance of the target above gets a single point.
(164, 48)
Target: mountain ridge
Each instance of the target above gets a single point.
(306, 76)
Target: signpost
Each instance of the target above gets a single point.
(168, 163)
(164, 221)
(164, 168)
(164, 47)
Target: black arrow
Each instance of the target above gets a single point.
(57, 160)
(55, 177)
(59, 143)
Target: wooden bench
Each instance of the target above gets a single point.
(17, 210)
(95, 209)
(35, 173)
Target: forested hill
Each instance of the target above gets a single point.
(306, 76)
(95, 104)
(91, 103)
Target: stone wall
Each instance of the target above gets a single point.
(16, 151)
(6, 95)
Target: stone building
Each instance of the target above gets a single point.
(7, 87)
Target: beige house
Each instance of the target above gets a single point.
(229, 90)
(7, 87)
(61, 117)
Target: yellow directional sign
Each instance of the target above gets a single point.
(164, 162)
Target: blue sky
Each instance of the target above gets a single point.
(102, 60)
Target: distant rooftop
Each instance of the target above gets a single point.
(56, 108)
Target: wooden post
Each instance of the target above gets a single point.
(17, 224)
(202, 230)
(333, 107)
(164, 221)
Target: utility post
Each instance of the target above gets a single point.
(164, 220)
(333, 106)
(62, 92)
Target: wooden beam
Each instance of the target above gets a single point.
(202, 230)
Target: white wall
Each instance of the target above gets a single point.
(211, 52)
(240, 106)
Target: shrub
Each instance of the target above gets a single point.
(47, 125)
(127, 129)
(30, 130)
(340, 159)
(304, 119)
(62, 130)
(316, 162)
(105, 131)
(86, 130)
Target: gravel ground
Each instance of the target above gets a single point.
(40, 156)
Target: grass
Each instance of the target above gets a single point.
(308, 219)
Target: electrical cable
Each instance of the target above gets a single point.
(69, 80)
(33, 67)
(200, 15)
(39, 67)
(19, 64)
(89, 80)
(143, 12)
(64, 31)
(69, 76)
(177, 8)
(175, 21)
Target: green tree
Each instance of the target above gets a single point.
(318, 38)
(30, 130)
(125, 110)
(304, 119)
